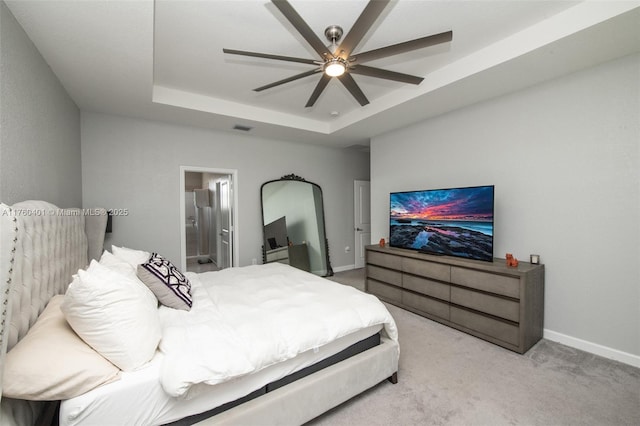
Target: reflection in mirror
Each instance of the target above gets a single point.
(293, 224)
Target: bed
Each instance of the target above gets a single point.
(309, 367)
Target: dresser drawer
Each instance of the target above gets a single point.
(497, 306)
(493, 283)
(491, 327)
(384, 275)
(423, 268)
(385, 291)
(386, 260)
(425, 286)
(426, 305)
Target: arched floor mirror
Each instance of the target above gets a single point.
(293, 225)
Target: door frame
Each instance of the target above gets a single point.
(233, 173)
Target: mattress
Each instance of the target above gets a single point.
(247, 318)
(138, 398)
(276, 317)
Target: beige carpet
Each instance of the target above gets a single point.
(447, 377)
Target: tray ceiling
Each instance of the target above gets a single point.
(163, 60)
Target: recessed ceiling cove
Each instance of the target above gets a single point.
(278, 54)
(163, 59)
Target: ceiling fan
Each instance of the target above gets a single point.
(339, 60)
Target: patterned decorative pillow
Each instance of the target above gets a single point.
(169, 285)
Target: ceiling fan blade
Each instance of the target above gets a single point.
(302, 27)
(387, 75)
(287, 80)
(269, 56)
(318, 90)
(406, 46)
(366, 19)
(353, 88)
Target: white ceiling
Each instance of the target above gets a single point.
(163, 59)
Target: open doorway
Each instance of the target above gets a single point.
(208, 219)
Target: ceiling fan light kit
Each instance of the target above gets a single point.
(335, 67)
(339, 60)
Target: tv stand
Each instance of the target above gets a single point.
(503, 305)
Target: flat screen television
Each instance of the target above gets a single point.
(454, 221)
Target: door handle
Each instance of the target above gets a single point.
(359, 229)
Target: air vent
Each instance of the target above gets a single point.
(242, 127)
(357, 147)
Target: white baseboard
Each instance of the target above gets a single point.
(593, 348)
(344, 268)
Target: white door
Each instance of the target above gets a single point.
(225, 225)
(362, 219)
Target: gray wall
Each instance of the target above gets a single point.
(39, 125)
(135, 164)
(564, 158)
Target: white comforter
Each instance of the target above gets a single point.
(245, 319)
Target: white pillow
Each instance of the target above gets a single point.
(120, 266)
(116, 264)
(113, 315)
(131, 256)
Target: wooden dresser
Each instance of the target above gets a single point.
(503, 305)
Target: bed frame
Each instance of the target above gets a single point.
(42, 246)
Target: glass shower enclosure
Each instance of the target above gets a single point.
(198, 220)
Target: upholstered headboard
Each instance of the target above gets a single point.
(41, 247)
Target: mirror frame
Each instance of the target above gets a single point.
(294, 177)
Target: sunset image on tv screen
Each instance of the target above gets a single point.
(455, 222)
